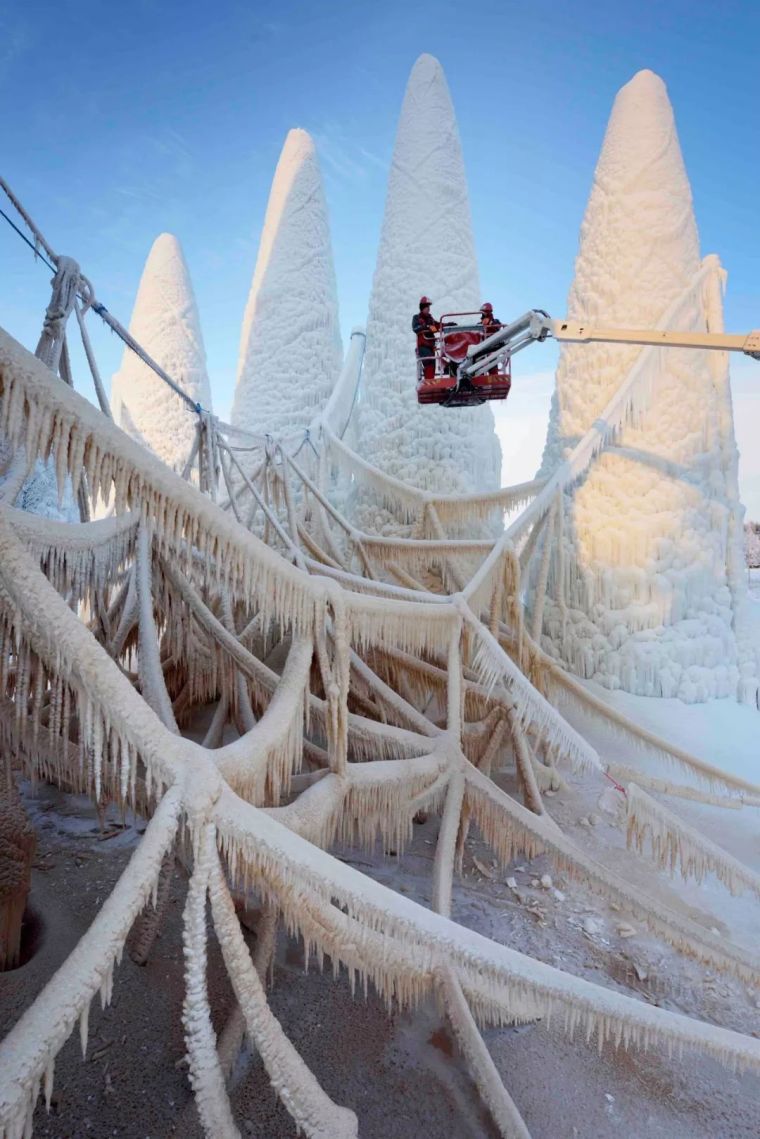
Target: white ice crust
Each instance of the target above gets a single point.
(165, 322)
(426, 246)
(651, 588)
(290, 346)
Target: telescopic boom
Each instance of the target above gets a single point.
(536, 326)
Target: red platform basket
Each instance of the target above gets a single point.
(437, 380)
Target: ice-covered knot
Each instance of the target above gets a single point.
(87, 294)
(459, 601)
(602, 426)
(65, 286)
(202, 783)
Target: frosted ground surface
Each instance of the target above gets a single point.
(419, 1087)
(165, 321)
(426, 245)
(652, 553)
(290, 346)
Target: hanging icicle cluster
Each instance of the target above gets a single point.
(364, 679)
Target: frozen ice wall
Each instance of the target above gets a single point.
(647, 588)
(165, 322)
(290, 347)
(426, 246)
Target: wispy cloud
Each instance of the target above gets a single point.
(347, 161)
(15, 41)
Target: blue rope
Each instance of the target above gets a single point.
(31, 244)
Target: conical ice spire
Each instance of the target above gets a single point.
(165, 322)
(639, 247)
(290, 348)
(426, 246)
(645, 591)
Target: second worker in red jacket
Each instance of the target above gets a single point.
(489, 324)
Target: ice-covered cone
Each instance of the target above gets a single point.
(639, 248)
(645, 594)
(290, 347)
(165, 322)
(426, 246)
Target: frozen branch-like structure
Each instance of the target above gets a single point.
(179, 578)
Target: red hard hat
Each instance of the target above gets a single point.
(487, 307)
(425, 301)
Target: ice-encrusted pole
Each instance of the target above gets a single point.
(647, 536)
(290, 346)
(426, 246)
(165, 322)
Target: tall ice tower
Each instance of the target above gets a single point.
(426, 246)
(165, 322)
(647, 590)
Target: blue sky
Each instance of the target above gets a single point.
(129, 119)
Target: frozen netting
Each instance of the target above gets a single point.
(290, 346)
(165, 322)
(426, 246)
(645, 574)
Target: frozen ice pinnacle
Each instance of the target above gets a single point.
(426, 246)
(165, 322)
(290, 347)
(646, 586)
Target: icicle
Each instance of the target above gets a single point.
(675, 844)
(49, 1074)
(84, 1018)
(29, 1121)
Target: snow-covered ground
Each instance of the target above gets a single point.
(419, 1086)
(723, 732)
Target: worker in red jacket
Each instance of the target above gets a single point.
(425, 326)
(489, 324)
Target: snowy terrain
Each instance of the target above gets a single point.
(290, 346)
(652, 573)
(563, 1088)
(165, 322)
(426, 246)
